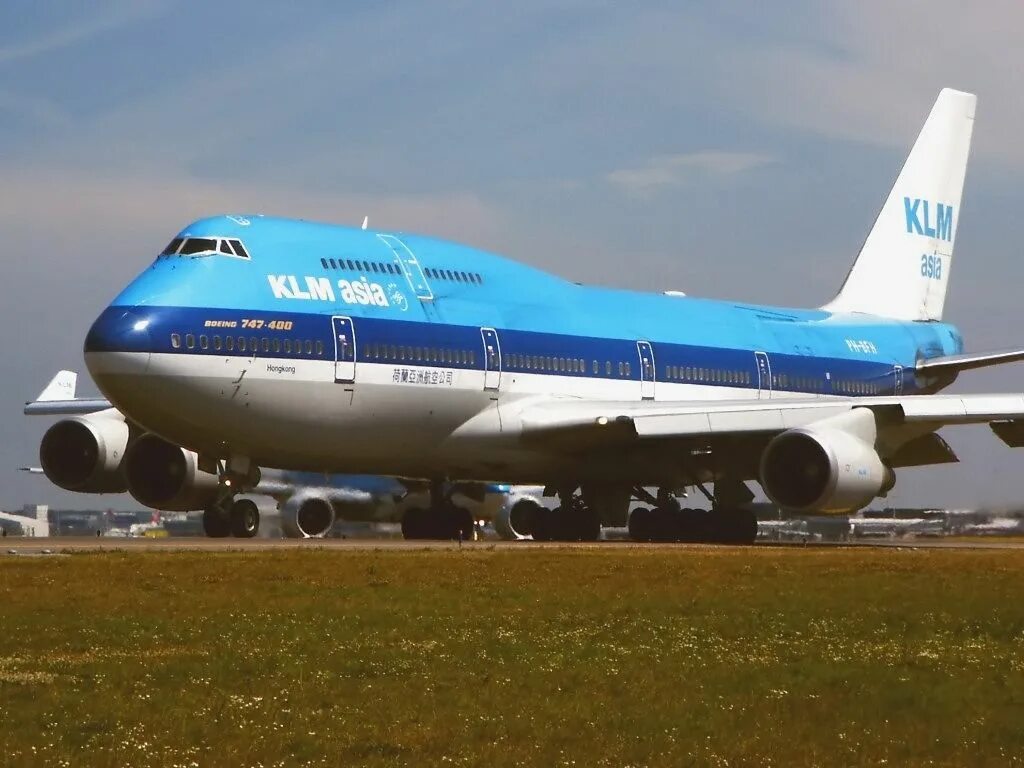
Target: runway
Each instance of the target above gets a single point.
(71, 544)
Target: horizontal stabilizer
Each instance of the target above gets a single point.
(957, 363)
(58, 398)
(66, 407)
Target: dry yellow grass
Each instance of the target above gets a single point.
(539, 657)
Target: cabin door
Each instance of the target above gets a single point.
(344, 350)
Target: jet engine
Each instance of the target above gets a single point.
(515, 518)
(824, 469)
(85, 453)
(307, 516)
(164, 476)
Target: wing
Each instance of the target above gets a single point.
(578, 426)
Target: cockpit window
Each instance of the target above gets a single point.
(205, 246)
(195, 245)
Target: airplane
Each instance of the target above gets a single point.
(257, 341)
(309, 504)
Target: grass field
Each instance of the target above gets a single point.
(536, 657)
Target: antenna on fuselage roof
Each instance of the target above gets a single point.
(366, 222)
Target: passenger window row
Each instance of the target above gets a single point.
(250, 345)
(205, 246)
(798, 383)
(409, 354)
(365, 267)
(857, 387)
(707, 375)
(454, 275)
(551, 364)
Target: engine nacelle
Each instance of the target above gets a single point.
(307, 516)
(515, 518)
(165, 476)
(85, 454)
(823, 470)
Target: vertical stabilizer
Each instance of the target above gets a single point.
(903, 269)
(61, 387)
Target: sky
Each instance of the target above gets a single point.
(718, 148)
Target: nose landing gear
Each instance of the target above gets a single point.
(227, 515)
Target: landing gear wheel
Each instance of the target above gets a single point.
(415, 523)
(694, 526)
(216, 522)
(734, 526)
(582, 524)
(543, 524)
(459, 524)
(640, 524)
(244, 519)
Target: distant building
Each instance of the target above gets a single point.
(33, 520)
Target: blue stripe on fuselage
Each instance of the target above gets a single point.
(195, 330)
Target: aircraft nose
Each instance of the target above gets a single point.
(118, 343)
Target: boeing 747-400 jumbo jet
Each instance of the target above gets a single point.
(255, 341)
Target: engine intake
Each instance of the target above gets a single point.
(164, 476)
(85, 454)
(307, 516)
(516, 518)
(824, 469)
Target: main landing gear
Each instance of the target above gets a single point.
(231, 517)
(573, 520)
(665, 520)
(443, 519)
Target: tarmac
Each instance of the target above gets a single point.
(71, 544)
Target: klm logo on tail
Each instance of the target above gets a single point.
(919, 219)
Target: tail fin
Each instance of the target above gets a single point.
(903, 268)
(61, 387)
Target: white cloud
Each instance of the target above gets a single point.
(77, 206)
(98, 21)
(673, 170)
(877, 66)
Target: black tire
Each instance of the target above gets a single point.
(543, 524)
(414, 523)
(587, 525)
(216, 523)
(640, 524)
(693, 526)
(244, 519)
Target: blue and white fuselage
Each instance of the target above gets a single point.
(357, 347)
